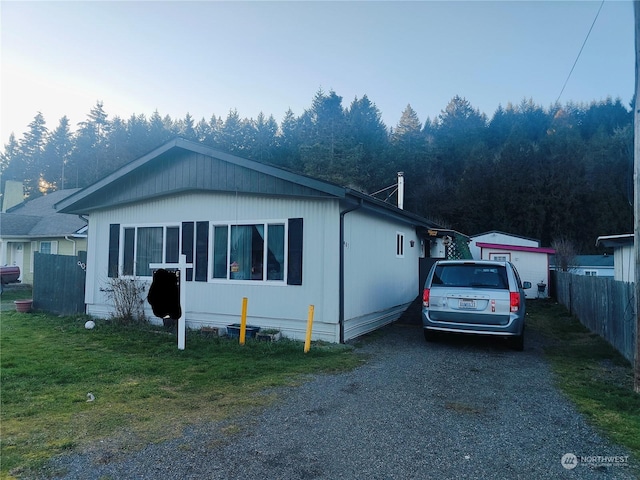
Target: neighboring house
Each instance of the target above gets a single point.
(36, 226)
(623, 255)
(589, 265)
(531, 260)
(500, 238)
(284, 241)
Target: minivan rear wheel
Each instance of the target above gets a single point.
(430, 335)
(517, 342)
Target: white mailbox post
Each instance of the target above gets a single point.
(182, 268)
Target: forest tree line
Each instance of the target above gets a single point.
(563, 172)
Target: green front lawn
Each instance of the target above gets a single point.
(145, 389)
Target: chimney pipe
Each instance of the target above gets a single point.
(401, 190)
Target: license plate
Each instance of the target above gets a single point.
(463, 303)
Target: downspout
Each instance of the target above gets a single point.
(341, 286)
(66, 237)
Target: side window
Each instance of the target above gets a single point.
(399, 244)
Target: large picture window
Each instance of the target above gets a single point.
(249, 252)
(259, 252)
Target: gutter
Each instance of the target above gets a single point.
(341, 282)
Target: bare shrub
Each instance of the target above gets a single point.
(127, 295)
(565, 253)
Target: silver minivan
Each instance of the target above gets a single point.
(481, 297)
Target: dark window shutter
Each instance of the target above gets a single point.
(114, 250)
(187, 245)
(294, 269)
(202, 251)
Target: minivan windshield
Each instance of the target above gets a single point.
(471, 275)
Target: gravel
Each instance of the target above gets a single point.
(459, 408)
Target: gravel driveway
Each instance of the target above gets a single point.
(459, 408)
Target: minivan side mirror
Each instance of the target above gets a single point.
(526, 285)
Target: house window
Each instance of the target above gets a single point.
(399, 244)
(591, 273)
(49, 247)
(249, 252)
(145, 245)
(252, 252)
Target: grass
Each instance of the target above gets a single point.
(591, 373)
(145, 389)
(140, 380)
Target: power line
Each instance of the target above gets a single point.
(580, 52)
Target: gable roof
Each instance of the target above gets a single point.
(39, 218)
(504, 233)
(181, 166)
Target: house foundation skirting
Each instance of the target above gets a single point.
(357, 326)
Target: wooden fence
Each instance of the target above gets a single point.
(58, 283)
(603, 305)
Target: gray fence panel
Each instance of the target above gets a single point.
(59, 283)
(603, 305)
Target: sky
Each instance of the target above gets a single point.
(209, 57)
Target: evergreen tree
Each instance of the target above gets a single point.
(187, 128)
(138, 129)
(264, 143)
(89, 160)
(369, 136)
(232, 133)
(11, 161)
(32, 152)
(203, 131)
(57, 153)
(408, 151)
(158, 131)
(289, 142)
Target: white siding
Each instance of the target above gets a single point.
(219, 304)
(379, 284)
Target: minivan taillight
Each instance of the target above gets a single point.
(515, 301)
(425, 297)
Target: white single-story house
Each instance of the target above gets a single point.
(623, 255)
(35, 226)
(531, 262)
(588, 265)
(282, 240)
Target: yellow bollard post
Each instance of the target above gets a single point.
(307, 341)
(243, 320)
